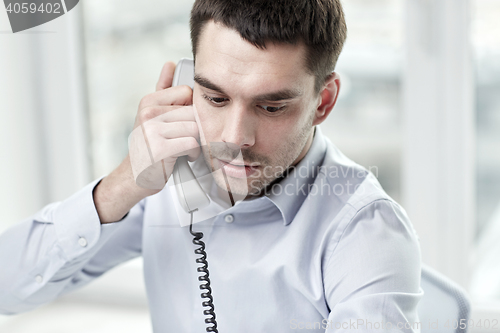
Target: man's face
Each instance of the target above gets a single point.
(261, 101)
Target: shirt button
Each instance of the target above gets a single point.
(38, 279)
(229, 218)
(82, 241)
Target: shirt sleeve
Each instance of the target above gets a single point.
(61, 248)
(372, 275)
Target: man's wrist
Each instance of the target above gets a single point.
(117, 193)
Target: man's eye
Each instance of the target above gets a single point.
(215, 100)
(272, 108)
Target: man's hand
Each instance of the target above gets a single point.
(164, 129)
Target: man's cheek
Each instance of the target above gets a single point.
(257, 174)
(206, 132)
(210, 128)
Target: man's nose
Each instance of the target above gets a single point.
(239, 127)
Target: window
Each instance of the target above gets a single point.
(127, 44)
(366, 122)
(486, 36)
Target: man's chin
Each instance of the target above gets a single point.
(236, 186)
(240, 188)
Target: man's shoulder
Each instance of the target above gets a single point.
(361, 212)
(351, 194)
(345, 182)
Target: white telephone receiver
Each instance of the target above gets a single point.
(191, 195)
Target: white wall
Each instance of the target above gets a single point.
(43, 127)
(438, 155)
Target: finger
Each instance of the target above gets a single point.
(179, 114)
(166, 76)
(173, 148)
(180, 129)
(159, 131)
(154, 113)
(164, 114)
(192, 153)
(179, 95)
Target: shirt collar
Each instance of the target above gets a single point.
(289, 193)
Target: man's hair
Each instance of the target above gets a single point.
(319, 24)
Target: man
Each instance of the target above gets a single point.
(313, 242)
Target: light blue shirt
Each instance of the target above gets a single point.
(327, 248)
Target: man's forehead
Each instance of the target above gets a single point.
(221, 45)
(227, 60)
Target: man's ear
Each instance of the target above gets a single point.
(327, 98)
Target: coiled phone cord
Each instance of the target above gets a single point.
(205, 277)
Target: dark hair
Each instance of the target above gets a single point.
(319, 24)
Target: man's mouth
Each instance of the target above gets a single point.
(237, 169)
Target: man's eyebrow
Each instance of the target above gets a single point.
(279, 95)
(207, 84)
(271, 97)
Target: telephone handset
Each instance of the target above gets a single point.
(192, 197)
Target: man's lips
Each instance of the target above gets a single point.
(236, 169)
(234, 163)
(239, 164)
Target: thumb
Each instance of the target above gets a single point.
(166, 76)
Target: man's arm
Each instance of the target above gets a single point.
(69, 243)
(372, 277)
(53, 251)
